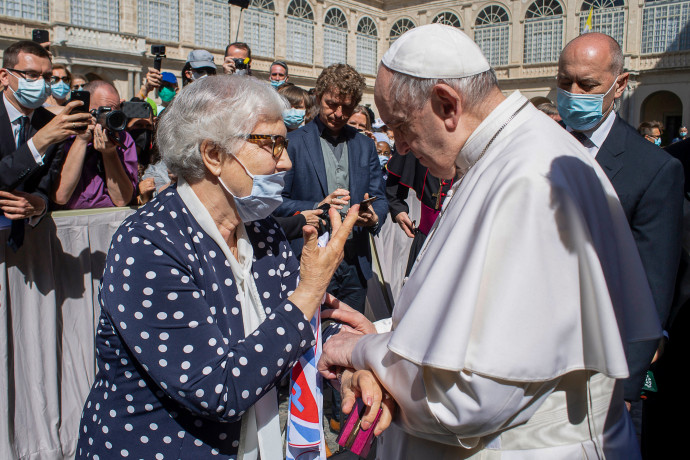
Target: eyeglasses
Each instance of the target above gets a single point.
(55, 79)
(278, 143)
(77, 87)
(32, 75)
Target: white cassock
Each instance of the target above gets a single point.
(508, 338)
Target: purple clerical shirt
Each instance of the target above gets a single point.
(91, 190)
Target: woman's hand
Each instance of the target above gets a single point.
(337, 353)
(363, 384)
(345, 314)
(317, 265)
(312, 216)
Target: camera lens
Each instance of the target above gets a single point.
(116, 120)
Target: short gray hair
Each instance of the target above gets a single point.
(414, 92)
(217, 108)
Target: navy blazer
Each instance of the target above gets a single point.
(649, 184)
(18, 168)
(306, 184)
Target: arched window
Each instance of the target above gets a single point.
(665, 26)
(334, 37)
(608, 17)
(159, 19)
(211, 23)
(36, 10)
(543, 32)
(367, 50)
(492, 34)
(448, 18)
(300, 32)
(96, 14)
(400, 27)
(259, 27)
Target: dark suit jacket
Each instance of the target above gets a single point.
(305, 183)
(649, 184)
(18, 169)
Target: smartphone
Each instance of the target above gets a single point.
(368, 201)
(40, 36)
(136, 109)
(83, 96)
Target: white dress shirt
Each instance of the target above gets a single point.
(15, 117)
(597, 136)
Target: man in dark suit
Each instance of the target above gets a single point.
(28, 136)
(648, 181)
(332, 164)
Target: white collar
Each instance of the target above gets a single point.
(481, 136)
(12, 112)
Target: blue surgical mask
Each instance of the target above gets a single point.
(657, 141)
(277, 83)
(383, 160)
(582, 112)
(683, 134)
(60, 90)
(293, 118)
(31, 94)
(265, 197)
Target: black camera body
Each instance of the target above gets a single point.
(241, 64)
(159, 52)
(112, 120)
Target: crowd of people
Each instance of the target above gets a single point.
(541, 274)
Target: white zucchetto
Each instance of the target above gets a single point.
(435, 51)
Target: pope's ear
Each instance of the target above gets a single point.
(446, 104)
(211, 156)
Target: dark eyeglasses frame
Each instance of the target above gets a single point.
(279, 143)
(28, 75)
(55, 79)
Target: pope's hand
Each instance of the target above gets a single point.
(337, 353)
(363, 384)
(345, 314)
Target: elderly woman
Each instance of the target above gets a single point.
(202, 312)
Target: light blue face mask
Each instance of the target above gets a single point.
(582, 112)
(31, 94)
(657, 141)
(60, 90)
(265, 197)
(293, 118)
(277, 83)
(383, 160)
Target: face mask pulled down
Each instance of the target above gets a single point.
(265, 197)
(582, 112)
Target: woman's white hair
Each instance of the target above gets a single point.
(220, 109)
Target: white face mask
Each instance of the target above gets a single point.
(265, 197)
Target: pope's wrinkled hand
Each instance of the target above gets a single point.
(343, 313)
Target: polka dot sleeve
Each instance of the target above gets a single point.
(171, 330)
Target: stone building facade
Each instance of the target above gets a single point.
(111, 39)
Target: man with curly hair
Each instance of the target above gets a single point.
(334, 165)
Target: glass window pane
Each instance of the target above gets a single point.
(96, 14)
(159, 19)
(300, 40)
(36, 10)
(211, 23)
(666, 27)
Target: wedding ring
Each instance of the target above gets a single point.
(74, 125)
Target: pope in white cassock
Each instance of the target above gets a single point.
(508, 339)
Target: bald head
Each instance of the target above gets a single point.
(595, 46)
(103, 94)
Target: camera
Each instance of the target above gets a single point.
(159, 52)
(112, 120)
(241, 66)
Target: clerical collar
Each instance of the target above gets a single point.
(481, 136)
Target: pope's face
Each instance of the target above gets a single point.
(420, 132)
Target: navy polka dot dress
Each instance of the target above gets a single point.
(176, 372)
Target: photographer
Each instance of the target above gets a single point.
(164, 82)
(98, 167)
(238, 59)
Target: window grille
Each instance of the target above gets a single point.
(159, 19)
(259, 27)
(36, 10)
(96, 14)
(400, 27)
(608, 17)
(448, 18)
(665, 26)
(300, 32)
(211, 23)
(492, 34)
(367, 50)
(334, 37)
(543, 32)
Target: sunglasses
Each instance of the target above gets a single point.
(277, 142)
(55, 79)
